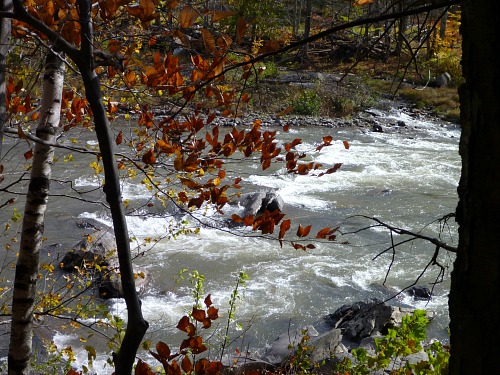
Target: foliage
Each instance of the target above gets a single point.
(307, 103)
(399, 343)
(153, 55)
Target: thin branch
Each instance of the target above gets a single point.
(401, 231)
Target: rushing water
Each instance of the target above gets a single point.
(407, 179)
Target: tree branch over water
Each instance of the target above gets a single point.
(401, 231)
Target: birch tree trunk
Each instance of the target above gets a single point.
(5, 30)
(24, 294)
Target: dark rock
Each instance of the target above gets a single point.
(377, 128)
(97, 254)
(335, 335)
(401, 123)
(419, 292)
(443, 80)
(98, 248)
(256, 203)
(241, 365)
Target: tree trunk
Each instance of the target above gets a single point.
(24, 295)
(474, 303)
(442, 26)
(307, 29)
(136, 325)
(5, 30)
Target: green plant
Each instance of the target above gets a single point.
(307, 104)
(301, 362)
(399, 343)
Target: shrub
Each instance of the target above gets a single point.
(307, 104)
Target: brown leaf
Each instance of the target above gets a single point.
(198, 314)
(187, 17)
(163, 350)
(186, 365)
(284, 112)
(236, 218)
(20, 132)
(119, 138)
(208, 301)
(221, 14)
(28, 154)
(241, 29)
(284, 227)
(149, 157)
(362, 2)
(208, 40)
(303, 231)
(213, 313)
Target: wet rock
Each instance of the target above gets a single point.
(256, 203)
(335, 335)
(419, 292)
(377, 128)
(97, 255)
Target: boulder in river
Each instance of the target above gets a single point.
(256, 203)
(97, 254)
(349, 327)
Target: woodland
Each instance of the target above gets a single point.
(173, 68)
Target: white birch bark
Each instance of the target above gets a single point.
(24, 296)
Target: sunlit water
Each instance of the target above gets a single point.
(408, 180)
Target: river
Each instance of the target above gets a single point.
(406, 178)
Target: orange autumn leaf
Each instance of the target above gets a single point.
(362, 2)
(303, 231)
(213, 313)
(284, 227)
(221, 14)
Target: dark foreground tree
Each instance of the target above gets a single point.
(474, 305)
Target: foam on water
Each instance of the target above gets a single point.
(386, 175)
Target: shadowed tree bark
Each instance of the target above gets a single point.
(474, 305)
(23, 300)
(84, 59)
(136, 325)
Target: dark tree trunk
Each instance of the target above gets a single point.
(307, 29)
(474, 302)
(442, 26)
(136, 325)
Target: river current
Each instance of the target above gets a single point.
(407, 179)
